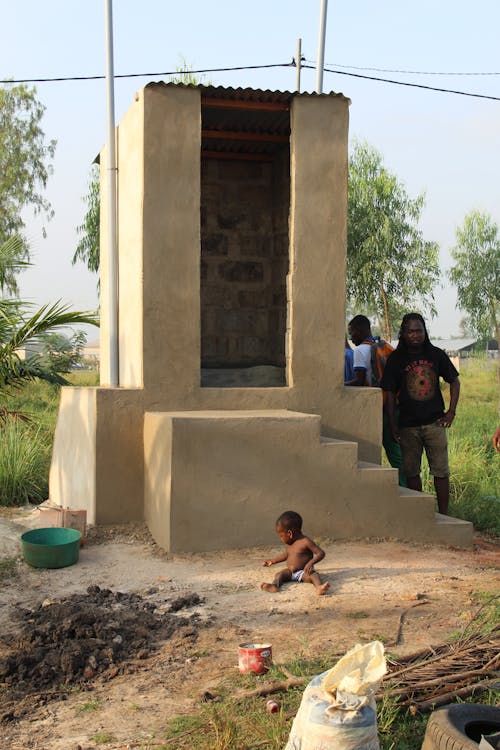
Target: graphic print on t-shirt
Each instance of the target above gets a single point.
(421, 380)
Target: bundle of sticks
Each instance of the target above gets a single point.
(439, 675)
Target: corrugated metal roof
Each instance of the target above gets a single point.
(243, 122)
(245, 94)
(453, 345)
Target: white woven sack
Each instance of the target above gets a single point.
(333, 718)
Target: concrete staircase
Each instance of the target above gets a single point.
(229, 475)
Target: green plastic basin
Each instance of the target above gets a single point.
(51, 548)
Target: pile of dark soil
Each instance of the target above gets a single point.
(85, 636)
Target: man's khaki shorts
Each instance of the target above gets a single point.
(433, 438)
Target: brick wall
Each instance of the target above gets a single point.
(244, 261)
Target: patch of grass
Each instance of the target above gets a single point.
(357, 615)
(102, 738)
(378, 637)
(180, 724)
(224, 729)
(397, 728)
(213, 727)
(93, 704)
(8, 568)
(474, 473)
(24, 463)
(273, 732)
(485, 615)
(234, 726)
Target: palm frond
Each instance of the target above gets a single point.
(12, 261)
(14, 372)
(16, 332)
(47, 317)
(20, 325)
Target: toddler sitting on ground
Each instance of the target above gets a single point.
(301, 554)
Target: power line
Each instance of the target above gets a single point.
(409, 72)
(291, 64)
(149, 75)
(411, 85)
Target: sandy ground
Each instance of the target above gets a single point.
(372, 584)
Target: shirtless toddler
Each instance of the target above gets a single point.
(301, 554)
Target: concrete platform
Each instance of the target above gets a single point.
(219, 479)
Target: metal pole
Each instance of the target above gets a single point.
(321, 47)
(111, 182)
(299, 62)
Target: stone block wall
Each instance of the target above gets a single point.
(244, 261)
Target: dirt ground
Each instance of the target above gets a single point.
(138, 636)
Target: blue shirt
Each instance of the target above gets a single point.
(348, 365)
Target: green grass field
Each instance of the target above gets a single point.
(474, 464)
(475, 467)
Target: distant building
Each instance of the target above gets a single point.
(456, 347)
(91, 354)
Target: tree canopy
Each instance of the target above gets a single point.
(390, 267)
(87, 249)
(25, 162)
(476, 273)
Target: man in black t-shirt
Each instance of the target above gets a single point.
(412, 376)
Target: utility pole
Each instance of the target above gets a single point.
(320, 64)
(111, 183)
(299, 63)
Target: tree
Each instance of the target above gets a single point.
(25, 162)
(390, 267)
(87, 249)
(61, 353)
(20, 324)
(476, 273)
(465, 329)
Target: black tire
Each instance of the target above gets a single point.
(460, 726)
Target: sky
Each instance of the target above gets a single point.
(443, 144)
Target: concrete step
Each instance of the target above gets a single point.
(446, 530)
(327, 441)
(454, 532)
(375, 472)
(334, 450)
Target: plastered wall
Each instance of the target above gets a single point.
(167, 288)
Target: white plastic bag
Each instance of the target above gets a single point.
(338, 710)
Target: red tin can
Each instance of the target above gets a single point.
(254, 657)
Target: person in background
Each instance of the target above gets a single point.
(348, 362)
(496, 439)
(360, 333)
(412, 372)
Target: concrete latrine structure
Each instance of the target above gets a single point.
(232, 216)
